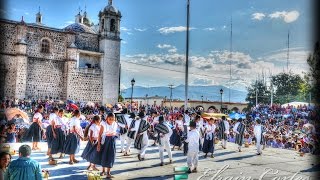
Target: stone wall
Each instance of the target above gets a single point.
(87, 41)
(7, 76)
(85, 87)
(58, 43)
(7, 38)
(45, 78)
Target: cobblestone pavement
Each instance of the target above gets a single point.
(274, 163)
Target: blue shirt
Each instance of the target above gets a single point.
(23, 169)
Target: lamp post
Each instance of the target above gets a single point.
(132, 84)
(147, 99)
(170, 87)
(221, 92)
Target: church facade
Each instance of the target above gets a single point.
(80, 62)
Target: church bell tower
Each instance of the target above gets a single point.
(109, 44)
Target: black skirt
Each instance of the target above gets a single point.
(49, 136)
(72, 144)
(108, 152)
(91, 154)
(34, 132)
(58, 142)
(175, 138)
(208, 145)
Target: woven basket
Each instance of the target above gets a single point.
(52, 162)
(93, 176)
(246, 144)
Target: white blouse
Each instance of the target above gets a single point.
(95, 130)
(109, 129)
(37, 116)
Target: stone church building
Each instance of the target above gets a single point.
(80, 62)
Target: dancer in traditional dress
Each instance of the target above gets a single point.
(239, 129)
(49, 130)
(199, 122)
(208, 144)
(59, 137)
(186, 122)
(124, 124)
(35, 128)
(107, 144)
(175, 139)
(72, 145)
(224, 131)
(141, 139)
(193, 147)
(131, 133)
(154, 122)
(164, 132)
(259, 133)
(90, 152)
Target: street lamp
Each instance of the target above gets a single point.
(147, 99)
(132, 84)
(221, 92)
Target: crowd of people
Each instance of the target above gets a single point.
(265, 126)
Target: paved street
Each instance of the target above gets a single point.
(283, 163)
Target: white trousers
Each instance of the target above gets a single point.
(124, 138)
(165, 145)
(129, 142)
(258, 145)
(224, 143)
(192, 159)
(144, 145)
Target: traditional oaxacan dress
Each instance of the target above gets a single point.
(122, 122)
(90, 152)
(259, 131)
(223, 132)
(239, 129)
(208, 144)
(58, 142)
(72, 144)
(108, 144)
(141, 142)
(49, 133)
(35, 129)
(165, 130)
(175, 139)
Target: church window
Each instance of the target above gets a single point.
(45, 46)
(112, 25)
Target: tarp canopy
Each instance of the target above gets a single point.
(213, 115)
(296, 104)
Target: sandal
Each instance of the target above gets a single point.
(95, 169)
(103, 173)
(110, 176)
(75, 161)
(71, 162)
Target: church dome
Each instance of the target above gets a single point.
(77, 27)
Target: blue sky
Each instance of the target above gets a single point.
(153, 33)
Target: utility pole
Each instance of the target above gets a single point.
(170, 87)
(187, 57)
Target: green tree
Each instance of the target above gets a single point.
(286, 86)
(260, 90)
(120, 98)
(314, 64)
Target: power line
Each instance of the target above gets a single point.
(175, 70)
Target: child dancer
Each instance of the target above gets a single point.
(90, 152)
(107, 144)
(193, 138)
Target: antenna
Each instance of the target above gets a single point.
(288, 51)
(230, 60)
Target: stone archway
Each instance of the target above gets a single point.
(212, 108)
(200, 108)
(235, 109)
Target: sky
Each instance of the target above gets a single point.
(153, 34)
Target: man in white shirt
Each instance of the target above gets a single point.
(193, 147)
(259, 132)
(224, 130)
(164, 133)
(124, 124)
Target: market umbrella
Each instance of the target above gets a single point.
(74, 107)
(237, 116)
(12, 112)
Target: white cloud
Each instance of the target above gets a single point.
(129, 33)
(163, 46)
(258, 16)
(214, 67)
(171, 49)
(124, 42)
(139, 29)
(26, 13)
(224, 27)
(168, 30)
(124, 29)
(209, 29)
(287, 17)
